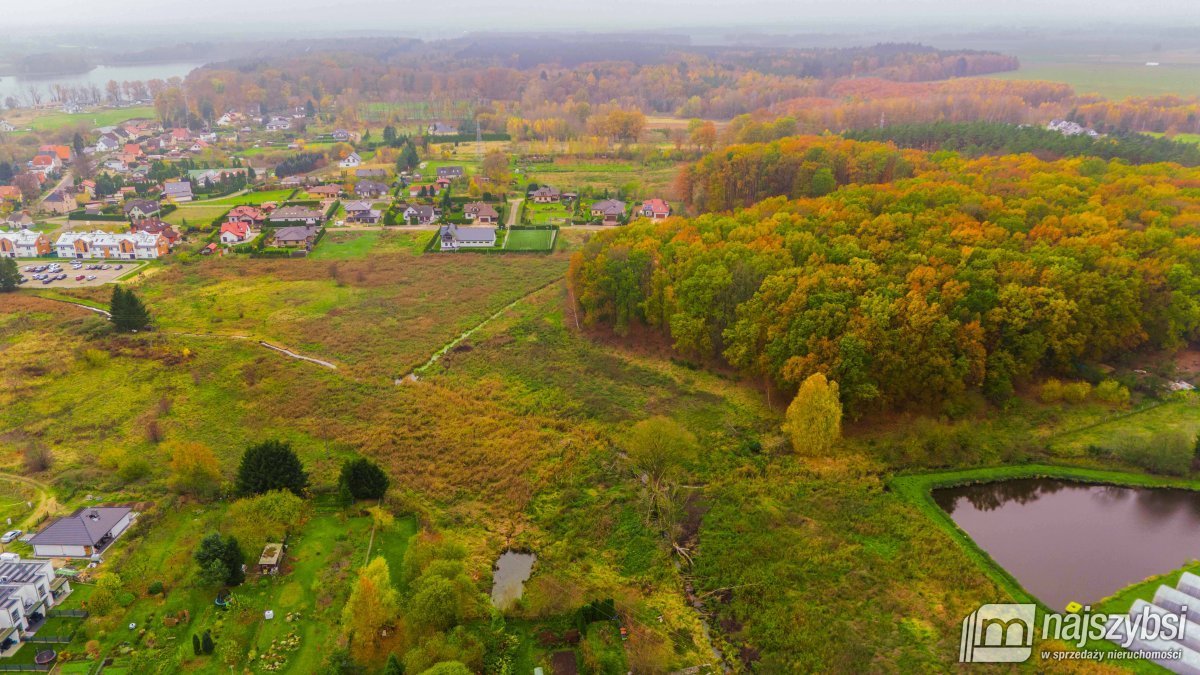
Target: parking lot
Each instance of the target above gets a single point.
(95, 276)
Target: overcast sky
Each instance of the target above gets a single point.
(449, 16)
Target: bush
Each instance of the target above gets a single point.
(271, 465)
(1166, 452)
(125, 598)
(1111, 392)
(155, 588)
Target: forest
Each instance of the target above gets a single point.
(911, 279)
(980, 138)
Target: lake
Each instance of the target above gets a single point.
(16, 85)
(1066, 541)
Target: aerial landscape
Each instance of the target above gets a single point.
(538, 339)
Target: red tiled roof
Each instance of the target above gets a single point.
(236, 228)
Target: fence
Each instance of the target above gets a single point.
(24, 667)
(67, 613)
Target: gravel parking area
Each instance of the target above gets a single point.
(91, 277)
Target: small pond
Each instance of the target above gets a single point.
(511, 571)
(1066, 541)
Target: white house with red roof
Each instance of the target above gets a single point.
(655, 209)
(236, 232)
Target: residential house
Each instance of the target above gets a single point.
(62, 152)
(450, 172)
(6, 126)
(454, 237)
(373, 174)
(86, 532)
(140, 209)
(481, 212)
(177, 191)
(28, 589)
(99, 244)
(443, 129)
(154, 226)
(362, 212)
(89, 188)
(180, 136)
(545, 195)
(209, 249)
(297, 214)
(422, 215)
(351, 161)
(442, 184)
(249, 215)
(59, 202)
(293, 181)
(370, 189)
(415, 191)
(198, 146)
(19, 219)
(279, 124)
(23, 244)
(609, 211)
(131, 153)
(116, 164)
(655, 209)
(296, 236)
(108, 142)
(341, 135)
(236, 232)
(45, 164)
(324, 191)
(228, 119)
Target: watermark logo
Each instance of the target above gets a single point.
(998, 633)
(1003, 633)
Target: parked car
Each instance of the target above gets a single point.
(79, 278)
(91, 277)
(10, 536)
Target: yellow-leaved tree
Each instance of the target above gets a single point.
(814, 419)
(373, 604)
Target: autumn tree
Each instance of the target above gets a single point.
(660, 449)
(268, 517)
(814, 418)
(495, 167)
(373, 603)
(194, 469)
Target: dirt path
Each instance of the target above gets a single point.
(514, 209)
(414, 374)
(263, 343)
(45, 503)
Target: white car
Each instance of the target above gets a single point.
(10, 536)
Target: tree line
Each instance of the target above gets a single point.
(954, 276)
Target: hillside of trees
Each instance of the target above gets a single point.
(970, 275)
(980, 138)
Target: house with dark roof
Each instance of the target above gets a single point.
(422, 215)
(324, 191)
(28, 589)
(454, 237)
(291, 215)
(296, 236)
(178, 190)
(450, 172)
(86, 532)
(371, 173)
(141, 209)
(370, 188)
(545, 195)
(609, 211)
(362, 212)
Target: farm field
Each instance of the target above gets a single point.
(1112, 79)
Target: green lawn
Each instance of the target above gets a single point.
(547, 214)
(100, 118)
(254, 198)
(1180, 413)
(338, 245)
(530, 240)
(200, 215)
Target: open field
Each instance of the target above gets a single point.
(555, 213)
(348, 245)
(254, 198)
(196, 214)
(51, 120)
(1112, 79)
